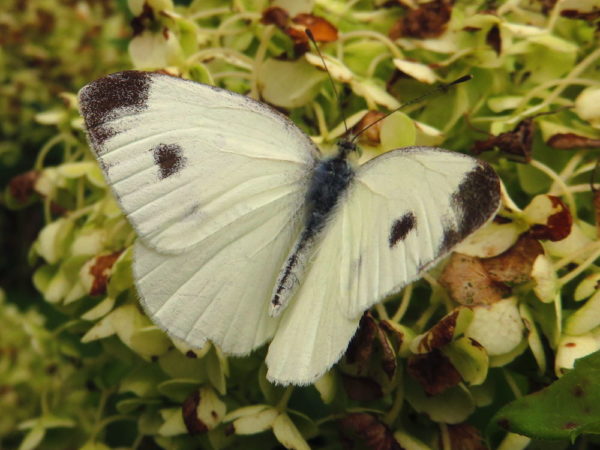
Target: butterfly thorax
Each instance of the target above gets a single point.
(331, 178)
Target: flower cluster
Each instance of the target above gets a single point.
(509, 312)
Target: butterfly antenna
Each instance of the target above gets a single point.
(337, 97)
(440, 89)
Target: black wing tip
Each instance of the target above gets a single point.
(125, 80)
(475, 202)
(106, 98)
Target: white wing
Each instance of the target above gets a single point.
(402, 211)
(186, 159)
(214, 184)
(408, 208)
(220, 289)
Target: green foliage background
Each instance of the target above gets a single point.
(81, 366)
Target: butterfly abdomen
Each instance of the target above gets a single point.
(328, 183)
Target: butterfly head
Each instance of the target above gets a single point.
(347, 147)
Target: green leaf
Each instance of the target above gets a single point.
(398, 130)
(567, 408)
(287, 433)
(469, 358)
(289, 84)
(452, 406)
(173, 422)
(255, 419)
(34, 437)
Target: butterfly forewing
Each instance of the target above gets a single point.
(214, 184)
(407, 208)
(186, 160)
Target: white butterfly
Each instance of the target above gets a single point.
(247, 235)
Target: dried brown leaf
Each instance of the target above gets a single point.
(100, 271)
(516, 143)
(368, 430)
(361, 346)
(494, 40)
(515, 264)
(274, 15)
(589, 16)
(427, 21)
(558, 225)
(361, 389)
(389, 364)
(567, 141)
(22, 187)
(468, 282)
(440, 334)
(465, 437)
(189, 410)
(368, 343)
(372, 135)
(434, 372)
(143, 21)
(322, 29)
(393, 333)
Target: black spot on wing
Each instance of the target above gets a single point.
(106, 98)
(474, 202)
(169, 159)
(401, 228)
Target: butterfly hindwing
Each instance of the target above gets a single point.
(214, 184)
(219, 290)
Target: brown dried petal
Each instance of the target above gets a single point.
(434, 372)
(143, 21)
(389, 364)
(361, 389)
(361, 346)
(277, 16)
(567, 141)
(22, 187)
(393, 333)
(558, 226)
(189, 410)
(100, 271)
(440, 334)
(515, 264)
(589, 16)
(465, 437)
(468, 282)
(368, 430)
(322, 29)
(427, 21)
(372, 135)
(494, 40)
(517, 142)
